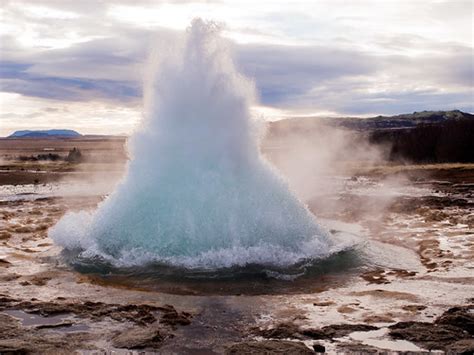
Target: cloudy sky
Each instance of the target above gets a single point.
(79, 64)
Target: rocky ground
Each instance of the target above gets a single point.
(415, 294)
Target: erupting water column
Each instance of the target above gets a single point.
(197, 193)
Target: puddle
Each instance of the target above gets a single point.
(60, 323)
(378, 339)
(73, 328)
(29, 319)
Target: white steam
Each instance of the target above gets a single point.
(197, 193)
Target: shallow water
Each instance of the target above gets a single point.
(60, 323)
(253, 279)
(376, 338)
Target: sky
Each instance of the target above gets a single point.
(80, 64)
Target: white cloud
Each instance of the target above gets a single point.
(327, 57)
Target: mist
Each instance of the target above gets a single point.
(197, 192)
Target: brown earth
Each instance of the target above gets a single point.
(426, 305)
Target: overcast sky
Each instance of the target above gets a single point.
(79, 63)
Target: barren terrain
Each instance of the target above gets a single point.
(412, 291)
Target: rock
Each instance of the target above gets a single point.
(139, 338)
(173, 318)
(282, 331)
(269, 347)
(6, 301)
(429, 335)
(5, 235)
(324, 303)
(318, 348)
(292, 331)
(4, 263)
(461, 317)
(379, 318)
(10, 336)
(46, 309)
(140, 314)
(346, 309)
(413, 307)
(39, 281)
(453, 329)
(9, 277)
(465, 347)
(341, 330)
(314, 333)
(8, 326)
(13, 346)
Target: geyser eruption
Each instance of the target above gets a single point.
(197, 193)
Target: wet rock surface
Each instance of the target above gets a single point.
(90, 314)
(465, 347)
(453, 329)
(141, 314)
(461, 317)
(269, 347)
(291, 330)
(451, 332)
(15, 339)
(151, 325)
(140, 338)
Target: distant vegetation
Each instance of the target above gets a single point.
(74, 157)
(419, 137)
(449, 141)
(40, 157)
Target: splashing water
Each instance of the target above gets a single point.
(197, 193)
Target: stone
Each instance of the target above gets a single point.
(461, 317)
(429, 335)
(269, 347)
(318, 348)
(139, 338)
(464, 347)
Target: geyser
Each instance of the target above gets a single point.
(197, 192)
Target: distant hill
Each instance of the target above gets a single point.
(404, 121)
(420, 137)
(409, 120)
(50, 133)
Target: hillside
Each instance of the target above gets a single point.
(403, 121)
(409, 120)
(420, 137)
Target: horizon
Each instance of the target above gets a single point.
(63, 65)
(125, 134)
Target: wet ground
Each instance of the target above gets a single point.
(409, 289)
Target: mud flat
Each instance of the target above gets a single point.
(411, 291)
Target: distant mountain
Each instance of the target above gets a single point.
(50, 133)
(404, 121)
